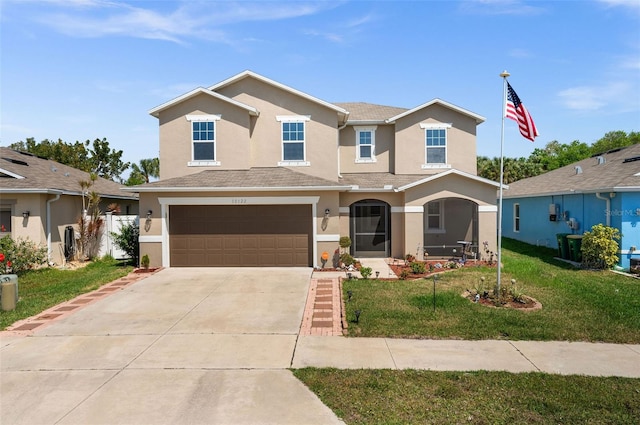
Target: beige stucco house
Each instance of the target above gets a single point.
(256, 173)
(39, 198)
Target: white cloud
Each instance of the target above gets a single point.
(596, 97)
(632, 4)
(94, 18)
(499, 7)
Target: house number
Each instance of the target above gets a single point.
(239, 201)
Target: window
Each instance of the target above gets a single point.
(435, 145)
(516, 217)
(203, 140)
(365, 144)
(293, 140)
(5, 219)
(434, 217)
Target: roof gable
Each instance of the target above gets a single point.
(478, 118)
(250, 74)
(198, 91)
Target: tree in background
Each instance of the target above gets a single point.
(93, 157)
(142, 173)
(554, 155)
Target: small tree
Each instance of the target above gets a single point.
(599, 247)
(90, 224)
(127, 240)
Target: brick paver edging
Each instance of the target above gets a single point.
(323, 309)
(27, 326)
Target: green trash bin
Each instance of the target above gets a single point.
(563, 245)
(575, 244)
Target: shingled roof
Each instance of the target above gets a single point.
(24, 172)
(361, 111)
(613, 171)
(254, 178)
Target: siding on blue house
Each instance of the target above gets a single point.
(603, 190)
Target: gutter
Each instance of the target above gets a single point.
(239, 189)
(608, 210)
(49, 202)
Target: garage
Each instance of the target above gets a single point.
(240, 235)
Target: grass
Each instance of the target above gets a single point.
(578, 305)
(420, 397)
(44, 288)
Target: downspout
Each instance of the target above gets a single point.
(339, 130)
(608, 210)
(49, 202)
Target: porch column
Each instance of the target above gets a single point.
(487, 228)
(411, 218)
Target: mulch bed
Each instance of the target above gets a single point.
(435, 266)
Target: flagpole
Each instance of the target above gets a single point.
(504, 76)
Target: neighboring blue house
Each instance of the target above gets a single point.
(602, 189)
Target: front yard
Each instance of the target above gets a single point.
(578, 305)
(44, 288)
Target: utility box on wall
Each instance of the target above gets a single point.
(553, 212)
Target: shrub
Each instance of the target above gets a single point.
(417, 267)
(127, 240)
(599, 247)
(366, 272)
(347, 259)
(21, 255)
(404, 274)
(345, 242)
(144, 261)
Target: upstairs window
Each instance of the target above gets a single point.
(435, 145)
(294, 150)
(203, 139)
(365, 144)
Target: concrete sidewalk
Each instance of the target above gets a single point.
(564, 358)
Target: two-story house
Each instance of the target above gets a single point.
(256, 173)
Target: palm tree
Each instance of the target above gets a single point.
(142, 173)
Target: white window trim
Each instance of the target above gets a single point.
(436, 126)
(516, 218)
(440, 229)
(205, 118)
(294, 118)
(371, 159)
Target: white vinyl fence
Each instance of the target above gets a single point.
(113, 223)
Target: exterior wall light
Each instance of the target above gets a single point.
(26, 215)
(149, 214)
(326, 213)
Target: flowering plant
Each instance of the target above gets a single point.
(5, 266)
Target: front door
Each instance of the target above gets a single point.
(370, 229)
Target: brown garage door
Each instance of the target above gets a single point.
(240, 235)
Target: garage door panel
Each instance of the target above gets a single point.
(245, 235)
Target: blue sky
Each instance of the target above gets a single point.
(86, 69)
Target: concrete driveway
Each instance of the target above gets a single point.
(208, 346)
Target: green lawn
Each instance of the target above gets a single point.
(427, 397)
(578, 305)
(44, 288)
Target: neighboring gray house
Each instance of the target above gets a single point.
(39, 198)
(602, 189)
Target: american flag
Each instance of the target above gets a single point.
(517, 112)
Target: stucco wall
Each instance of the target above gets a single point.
(384, 151)
(410, 141)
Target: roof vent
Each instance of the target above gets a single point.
(578, 169)
(15, 161)
(54, 169)
(600, 160)
(632, 159)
